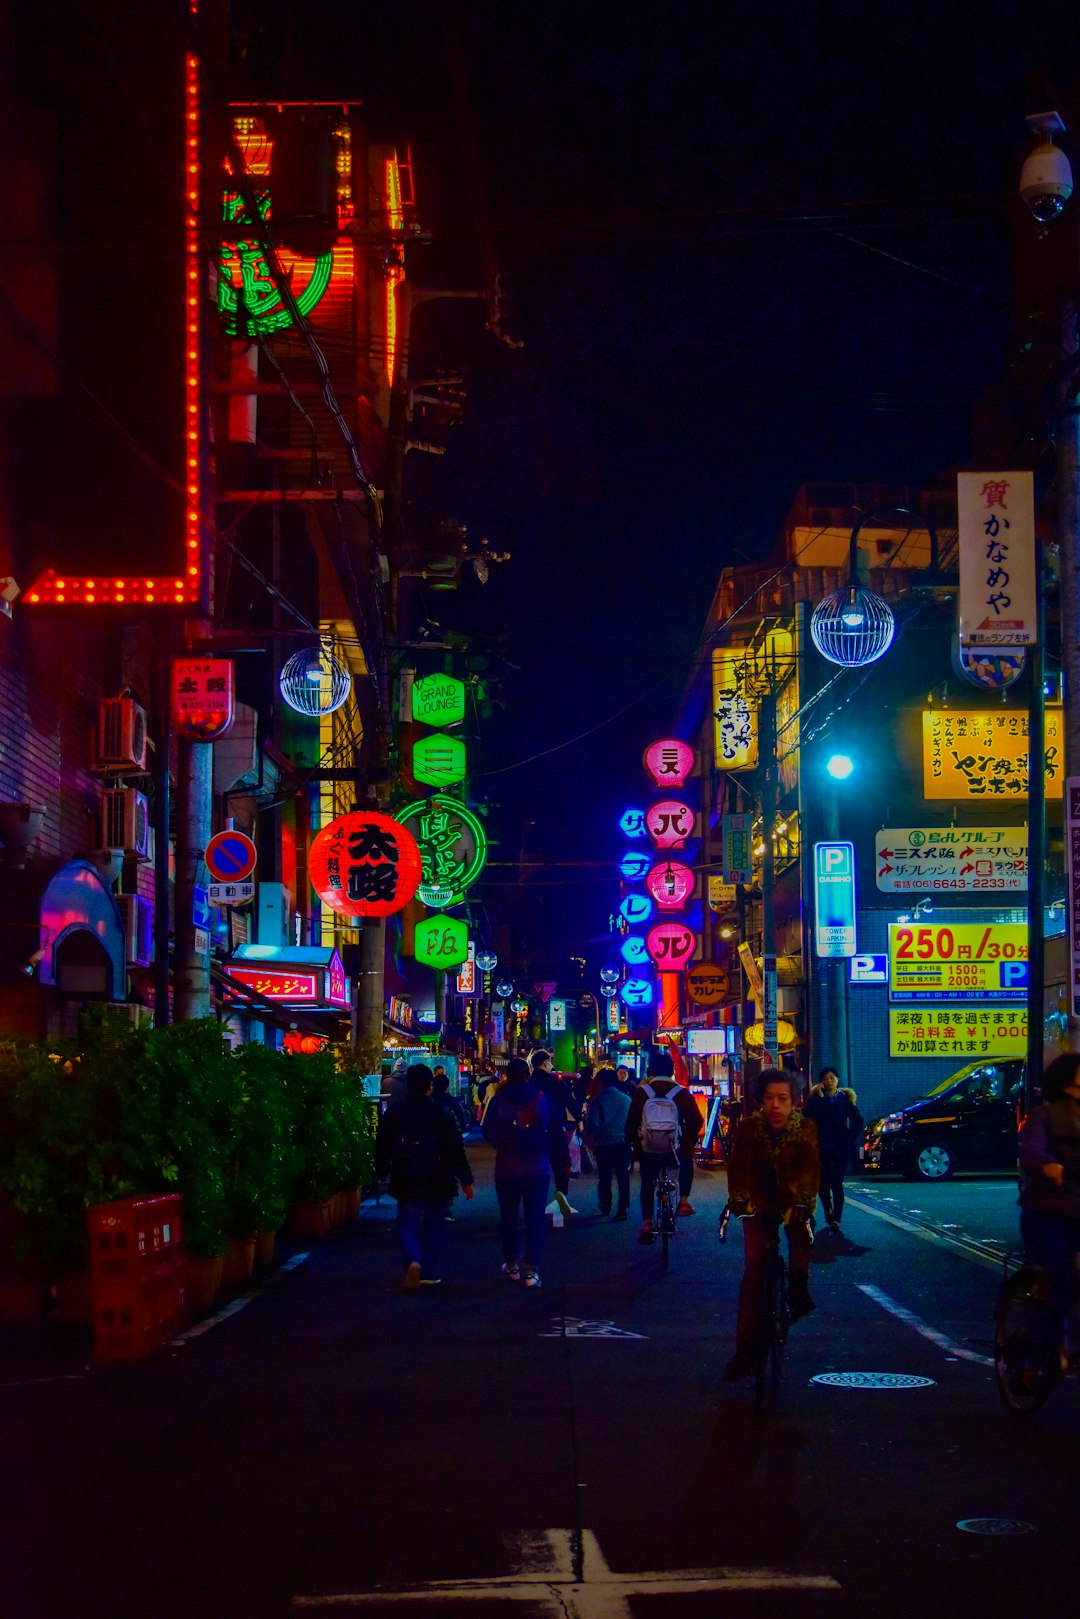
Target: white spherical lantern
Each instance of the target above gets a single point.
(852, 627)
(314, 682)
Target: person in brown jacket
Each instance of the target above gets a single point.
(773, 1178)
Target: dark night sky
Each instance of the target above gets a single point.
(745, 246)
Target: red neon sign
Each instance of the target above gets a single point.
(277, 985)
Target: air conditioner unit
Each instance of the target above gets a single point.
(138, 1016)
(121, 735)
(138, 914)
(125, 821)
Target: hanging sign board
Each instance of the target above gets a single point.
(669, 762)
(722, 895)
(735, 835)
(203, 698)
(996, 527)
(960, 961)
(707, 984)
(834, 899)
(751, 969)
(926, 859)
(438, 759)
(965, 1033)
(983, 753)
(438, 700)
(735, 743)
(1072, 886)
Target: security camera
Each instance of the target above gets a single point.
(1046, 181)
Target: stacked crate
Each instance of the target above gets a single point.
(137, 1271)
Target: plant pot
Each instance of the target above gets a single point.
(311, 1221)
(352, 1203)
(337, 1208)
(238, 1262)
(74, 1298)
(264, 1249)
(203, 1284)
(22, 1301)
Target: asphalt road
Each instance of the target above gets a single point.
(338, 1447)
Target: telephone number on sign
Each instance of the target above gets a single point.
(1017, 881)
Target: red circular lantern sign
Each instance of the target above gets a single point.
(669, 762)
(365, 864)
(669, 823)
(670, 884)
(670, 944)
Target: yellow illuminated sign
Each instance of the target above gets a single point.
(735, 712)
(962, 961)
(964, 1032)
(982, 753)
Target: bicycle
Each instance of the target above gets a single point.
(1026, 1366)
(665, 1203)
(774, 1316)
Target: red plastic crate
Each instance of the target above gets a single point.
(133, 1235)
(136, 1316)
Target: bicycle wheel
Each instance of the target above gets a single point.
(781, 1319)
(1022, 1370)
(665, 1219)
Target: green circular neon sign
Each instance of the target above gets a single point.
(453, 845)
(263, 309)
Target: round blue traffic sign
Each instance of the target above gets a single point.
(230, 857)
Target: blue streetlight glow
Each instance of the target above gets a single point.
(840, 766)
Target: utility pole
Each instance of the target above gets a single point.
(768, 768)
(1036, 837)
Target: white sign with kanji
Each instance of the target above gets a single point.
(996, 524)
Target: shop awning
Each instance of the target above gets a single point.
(307, 978)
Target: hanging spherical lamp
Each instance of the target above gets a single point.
(504, 987)
(852, 627)
(314, 682)
(486, 960)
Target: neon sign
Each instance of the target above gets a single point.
(669, 823)
(632, 823)
(453, 846)
(634, 950)
(364, 864)
(277, 986)
(670, 944)
(248, 298)
(634, 865)
(635, 908)
(670, 884)
(669, 762)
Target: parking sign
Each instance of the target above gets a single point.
(834, 899)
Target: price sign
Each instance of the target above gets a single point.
(965, 961)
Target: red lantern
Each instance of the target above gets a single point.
(670, 884)
(670, 944)
(669, 762)
(669, 823)
(365, 864)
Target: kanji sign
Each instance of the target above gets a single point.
(669, 762)
(735, 715)
(438, 700)
(928, 858)
(669, 823)
(230, 857)
(364, 864)
(959, 961)
(466, 978)
(735, 834)
(983, 753)
(967, 1032)
(452, 841)
(707, 984)
(996, 542)
(439, 760)
(441, 941)
(230, 893)
(670, 944)
(670, 884)
(203, 700)
(834, 899)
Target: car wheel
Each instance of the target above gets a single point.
(934, 1161)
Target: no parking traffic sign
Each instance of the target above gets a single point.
(230, 857)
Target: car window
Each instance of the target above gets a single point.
(986, 1079)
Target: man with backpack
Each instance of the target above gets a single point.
(527, 1131)
(418, 1146)
(664, 1124)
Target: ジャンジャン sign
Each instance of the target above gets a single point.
(983, 753)
(966, 1032)
(364, 864)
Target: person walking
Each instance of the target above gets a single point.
(832, 1111)
(773, 1178)
(605, 1136)
(562, 1101)
(527, 1130)
(418, 1146)
(661, 1084)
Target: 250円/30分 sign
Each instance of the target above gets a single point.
(965, 961)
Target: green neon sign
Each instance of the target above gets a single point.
(439, 759)
(453, 844)
(438, 700)
(263, 309)
(442, 941)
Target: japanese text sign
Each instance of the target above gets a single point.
(637, 992)
(670, 884)
(613, 1017)
(966, 1032)
(669, 762)
(669, 823)
(1072, 887)
(635, 909)
(735, 719)
(735, 832)
(634, 950)
(438, 700)
(996, 523)
(722, 895)
(203, 699)
(557, 1016)
(466, 978)
(632, 823)
(834, 899)
(634, 865)
(277, 984)
(441, 941)
(983, 753)
(961, 961)
(926, 859)
(364, 864)
(707, 984)
(453, 846)
(670, 944)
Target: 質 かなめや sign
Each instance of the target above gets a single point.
(963, 961)
(996, 547)
(964, 1032)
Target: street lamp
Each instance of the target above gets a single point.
(839, 766)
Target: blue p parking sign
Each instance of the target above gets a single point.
(834, 899)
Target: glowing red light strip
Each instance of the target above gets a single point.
(165, 591)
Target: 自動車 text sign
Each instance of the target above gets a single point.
(979, 962)
(932, 859)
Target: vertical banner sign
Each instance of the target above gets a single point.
(735, 834)
(996, 522)
(750, 968)
(834, 899)
(1072, 888)
(768, 1011)
(735, 743)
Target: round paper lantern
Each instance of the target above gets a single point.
(365, 864)
(669, 823)
(852, 627)
(670, 884)
(669, 762)
(670, 944)
(314, 682)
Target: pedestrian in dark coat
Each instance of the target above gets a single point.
(832, 1111)
(605, 1133)
(529, 1137)
(418, 1146)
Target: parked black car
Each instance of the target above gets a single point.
(967, 1122)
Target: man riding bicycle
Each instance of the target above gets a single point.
(660, 1086)
(773, 1178)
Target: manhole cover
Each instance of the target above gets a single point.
(872, 1380)
(995, 1526)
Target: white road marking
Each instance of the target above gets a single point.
(245, 1299)
(959, 1244)
(569, 1326)
(921, 1326)
(566, 1574)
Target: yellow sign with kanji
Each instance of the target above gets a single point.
(964, 1032)
(983, 962)
(982, 753)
